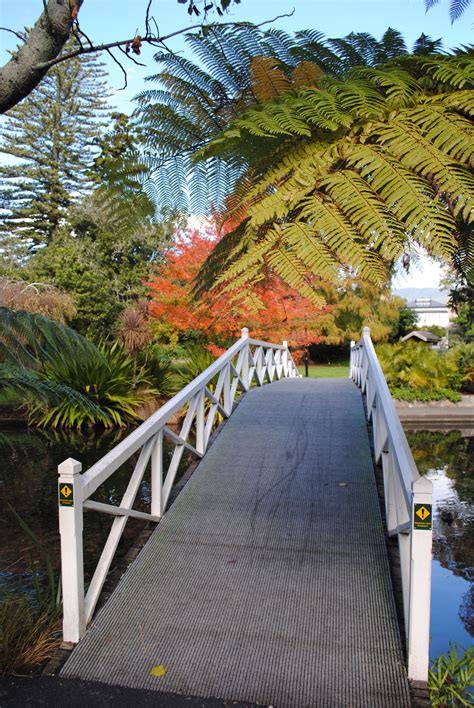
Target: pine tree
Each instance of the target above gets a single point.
(51, 135)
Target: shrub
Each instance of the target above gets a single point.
(451, 678)
(420, 394)
(413, 366)
(463, 358)
(66, 380)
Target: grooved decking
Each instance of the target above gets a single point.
(268, 579)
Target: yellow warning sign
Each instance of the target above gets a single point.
(422, 518)
(66, 495)
(423, 513)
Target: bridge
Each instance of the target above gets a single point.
(267, 580)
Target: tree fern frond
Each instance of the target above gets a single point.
(410, 147)
(306, 74)
(448, 132)
(268, 80)
(367, 212)
(408, 196)
(455, 72)
(288, 266)
(330, 225)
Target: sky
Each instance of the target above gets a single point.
(111, 20)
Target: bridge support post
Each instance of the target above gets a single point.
(420, 580)
(70, 529)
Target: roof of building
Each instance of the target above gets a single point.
(426, 303)
(423, 336)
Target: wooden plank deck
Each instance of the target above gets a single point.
(267, 581)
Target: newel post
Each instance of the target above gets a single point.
(420, 580)
(351, 360)
(245, 359)
(72, 566)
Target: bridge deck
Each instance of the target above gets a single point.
(268, 580)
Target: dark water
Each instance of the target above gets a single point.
(28, 483)
(447, 459)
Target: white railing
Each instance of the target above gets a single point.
(213, 392)
(408, 502)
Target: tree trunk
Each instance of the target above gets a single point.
(45, 41)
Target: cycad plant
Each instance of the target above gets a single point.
(343, 178)
(66, 380)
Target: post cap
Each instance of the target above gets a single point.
(245, 333)
(69, 467)
(422, 485)
(352, 343)
(285, 343)
(366, 330)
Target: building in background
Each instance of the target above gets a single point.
(430, 312)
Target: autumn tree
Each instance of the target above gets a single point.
(279, 313)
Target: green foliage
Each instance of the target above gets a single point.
(108, 377)
(462, 356)
(421, 394)
(73, 382)
(197, 359)
(51, 134)
(346, 176)
(464, 322)
(406, 324)
(191, 102)
(106, 257)
(409, 365)
(451, 678)
(435, 329)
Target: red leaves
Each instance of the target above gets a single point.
(285, 315)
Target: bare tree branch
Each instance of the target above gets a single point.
(152, 39)
(17, 34)
(43, 45)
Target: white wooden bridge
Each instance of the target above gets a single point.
(267, 580)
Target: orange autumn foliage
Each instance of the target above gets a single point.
(285, 314)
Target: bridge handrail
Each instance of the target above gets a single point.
(405, 492)
(245, 361)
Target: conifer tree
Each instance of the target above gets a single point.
(51, 136)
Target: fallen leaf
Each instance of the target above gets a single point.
(158, 671)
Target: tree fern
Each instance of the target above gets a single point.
(189, 103)
(456, 7)
(362, 167)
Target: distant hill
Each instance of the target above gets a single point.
(414, 293)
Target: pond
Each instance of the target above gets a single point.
(28, 484)
(28, 488)
(447, 459)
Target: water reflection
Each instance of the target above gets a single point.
(448, 460)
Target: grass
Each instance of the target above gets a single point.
(329, 371)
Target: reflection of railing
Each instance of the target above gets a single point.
(212, 392)
(408, 502)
